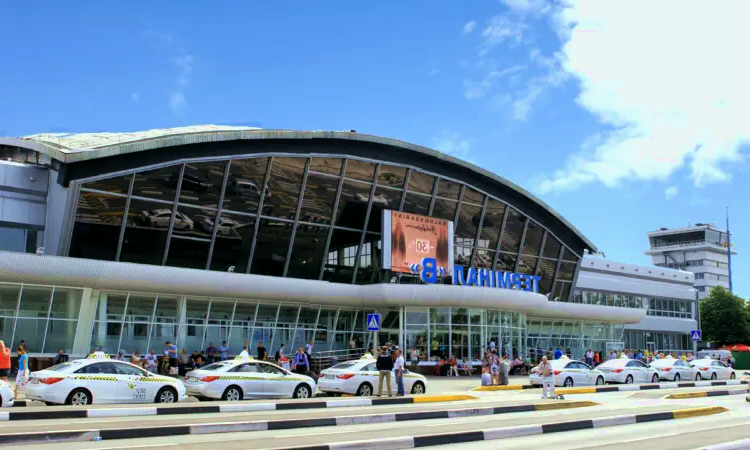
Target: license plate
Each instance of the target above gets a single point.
(192, 380)
(35, 381)
(330, 377)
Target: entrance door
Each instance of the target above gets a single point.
(651, 346)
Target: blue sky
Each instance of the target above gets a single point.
(624, 122)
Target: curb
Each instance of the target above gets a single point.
(510, 387)
(511, 432)
(241, 427)
(703, 394)
(734, 445)
(647, 387)
(52, 413)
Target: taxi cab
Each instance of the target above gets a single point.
(569, 373)
(99, 379)
(715, 370)
(246, 378)
(360, 377)
(628, 371)
(6, 394)
(671, 369)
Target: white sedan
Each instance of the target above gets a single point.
(628, 371)
(360, 377)
(569, 373)
(6, 394)
(160, 218)
(671, 369)
(225, 225)
(98, 379)
(246, 378)
(715, 370)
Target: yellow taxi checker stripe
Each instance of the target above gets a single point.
(695, 412)
(96, 378)
(157, 380)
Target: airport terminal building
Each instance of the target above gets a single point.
(207, 234)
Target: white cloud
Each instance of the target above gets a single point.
(501, 30)
(528, 6)
(671, 192)
(470, 26)
(477, 89)
(177, 102)
(452, 144)
(673, 94)
(134, 97)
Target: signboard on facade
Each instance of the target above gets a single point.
(430, 273)
(410, 238)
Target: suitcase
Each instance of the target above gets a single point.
(486, 380)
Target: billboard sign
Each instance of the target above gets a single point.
(410, 238)
(429, 273)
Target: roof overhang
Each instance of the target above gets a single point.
(86, 273)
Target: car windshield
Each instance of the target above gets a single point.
(64, 367)
(216, 366)
(342, 366)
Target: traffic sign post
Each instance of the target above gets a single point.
(373, 324)
(695, 335)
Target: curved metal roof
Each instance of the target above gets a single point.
(72, 148)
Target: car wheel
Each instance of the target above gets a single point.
(698, 377)
(418, 388)
(364, 390)
(655, 379)
(568, 382)
(79, 397)
(600, 381)
(166, 395)
(677, 377)
(713, 376)
(732, 376)
(232, 394)
(629, 379)
(302, 391)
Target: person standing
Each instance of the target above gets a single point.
(210, 353)
(4, 361)
(245, 353)
(590, 358)
(58, 358)
(398, 366)
(384, 364)
(301, 363)
(136, 359)
(279, 354)
(173, 360)
(414, 358)
(23, 370)
(558, 353)
(262, 352)
(151, 361)
(548, 378)
(223, 349)
(309, 348)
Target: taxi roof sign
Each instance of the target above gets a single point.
(244, 358)
(98, 355)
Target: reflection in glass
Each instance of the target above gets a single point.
(232, 245)
(271, 248)
(96, 231)
(444, 209)
(461, 255)
(391, 176)
(492, 224)
(506, 262)
(307, 252)
(473, 196)
(448, 189)
(284, 186)
(188, 253)
(569, 256)
(532, 243)
(551, 247)
(566, 271)
(119, 184)
(468, 221)
(146, 232)
(331, 166)
(342, 253)
(246, 177)
(484, 258)
(318, 200)
(201, 183)
(360, 170)
(385, 198)
(369, 261)
(159, 184)
(527, 265)
(417, 204)
(421, 182)
(513, 230)
(547, 273)
(353, 204)
(196, 222)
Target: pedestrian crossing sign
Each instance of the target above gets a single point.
(695, 335)
(373, 322)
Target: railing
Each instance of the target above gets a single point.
(683, 244)
(323, 360)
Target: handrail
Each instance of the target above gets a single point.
(683, 243)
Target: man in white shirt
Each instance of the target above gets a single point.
(398, 367)
(309, 348)
(244, 353)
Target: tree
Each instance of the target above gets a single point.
(724, 318)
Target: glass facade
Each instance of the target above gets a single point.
(656, 341)
(574, 336)
(312, 218)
